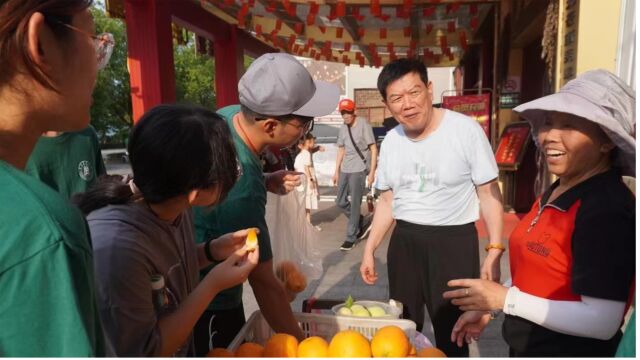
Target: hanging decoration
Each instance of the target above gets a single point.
(407, 31)
(452, 8)
(383, 33)
(347, 46)
(428, 11)
(474, 23)
(341, 8)
(375, 8)
(443, 43)
(339, 32)
(451, 26)
(298, 27)
(463, 40)
(356, 13)
(429, 28)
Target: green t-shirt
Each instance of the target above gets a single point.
(627, 346)
(243, 208)
(48, 306)
(69, 162)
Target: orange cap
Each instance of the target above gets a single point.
(346, 105)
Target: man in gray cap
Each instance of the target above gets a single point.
(278, 101)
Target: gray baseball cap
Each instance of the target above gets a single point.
(277, 84)
(597, 96)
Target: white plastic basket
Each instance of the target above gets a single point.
(392, 311)
(325, 326)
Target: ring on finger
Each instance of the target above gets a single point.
(466, 292)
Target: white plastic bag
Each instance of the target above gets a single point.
(293, 240)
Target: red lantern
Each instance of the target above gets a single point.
(341, 8)
(463, 40)
(383, 33)
(428, 11)
(375, 8)
(474, 23)
(291, 10)
(451, 26)
(339, 32)
(429, 28)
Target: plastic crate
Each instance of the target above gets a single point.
(325, 326)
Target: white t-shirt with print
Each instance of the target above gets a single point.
(433, 180)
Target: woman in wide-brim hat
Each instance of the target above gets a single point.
(572, 256)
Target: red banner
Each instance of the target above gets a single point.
(475, 106)
(511, 145)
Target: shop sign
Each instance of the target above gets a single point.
(512, 145)
(475, 106)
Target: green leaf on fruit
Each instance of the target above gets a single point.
(348, 302)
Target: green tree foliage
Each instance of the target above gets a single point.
(194, 75)
(111, 110)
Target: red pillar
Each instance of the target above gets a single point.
(150, 58)
(229, 63)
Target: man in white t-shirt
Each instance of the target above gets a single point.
(437, 172)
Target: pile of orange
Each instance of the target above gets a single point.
(389, 341)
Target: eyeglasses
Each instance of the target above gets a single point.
(306, 126)
(103, 44)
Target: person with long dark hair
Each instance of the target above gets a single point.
(49, 57)
(146, 259)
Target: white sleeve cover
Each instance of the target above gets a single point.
(590, 317)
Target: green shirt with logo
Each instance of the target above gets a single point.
(48, 302)
(243, 208)
(69, 162)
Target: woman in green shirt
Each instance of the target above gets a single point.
(49, 56)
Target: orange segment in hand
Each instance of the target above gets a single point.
(252, 240)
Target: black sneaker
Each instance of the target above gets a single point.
(365, 227)
(347, 245)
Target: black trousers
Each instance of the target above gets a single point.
(421, 260)
(225, 326)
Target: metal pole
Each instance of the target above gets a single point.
(494, 102)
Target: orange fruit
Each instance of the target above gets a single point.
(314, 346)
(412, 352)
(390, 341)
(349, 343)
(284, 268)
(252, 239)
(296, 282)
(291, 277)
(249, 350)
(281, 345)
(219, 352)
(431, 352)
